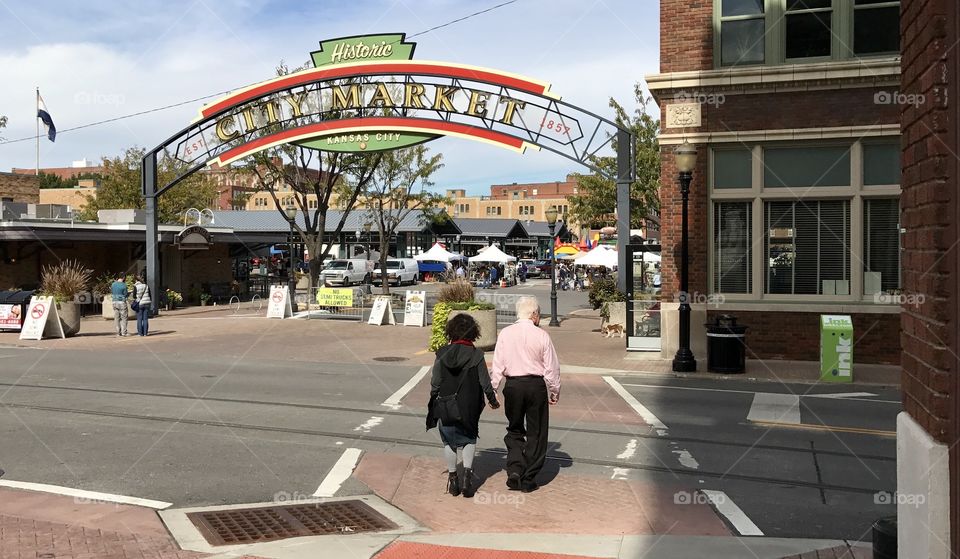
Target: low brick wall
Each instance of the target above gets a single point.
(796, 336)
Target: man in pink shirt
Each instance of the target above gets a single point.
(526, 361)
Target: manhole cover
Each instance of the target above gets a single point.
(390, 358)
(264, 524)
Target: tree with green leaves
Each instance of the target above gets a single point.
(401, 185)
(313, 182)
(48, 180)
(120, 188)
(595, 204)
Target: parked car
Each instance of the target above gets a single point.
(543, 268)
(346, 272)
(532, 270)
(399, 271)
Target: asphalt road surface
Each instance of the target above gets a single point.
(208, 430)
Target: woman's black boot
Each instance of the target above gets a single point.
(469, 486)
(453, 484)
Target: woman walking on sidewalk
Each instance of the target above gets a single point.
(458, 386)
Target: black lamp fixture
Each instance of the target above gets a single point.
(366, 229)
(291, 213)
(686, 161)
(551, 215)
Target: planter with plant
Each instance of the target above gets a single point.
(456, 298)
(205, 299)
(65, 282)
(173, 298)
(102, 288)
(612, 302)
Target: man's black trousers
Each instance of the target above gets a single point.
(527, 409)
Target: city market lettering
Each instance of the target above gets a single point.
(349, 100)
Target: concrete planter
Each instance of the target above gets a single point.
(69, 318)
(108, 309)
(618, 313)
(488, 327)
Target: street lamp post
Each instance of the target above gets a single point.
(366, 229)
(552, 223)
(291, 213)
(686, 159)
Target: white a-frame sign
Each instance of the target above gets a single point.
(279, 306)
(382, 312)
(42, 318)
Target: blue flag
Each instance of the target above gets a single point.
(45, 118)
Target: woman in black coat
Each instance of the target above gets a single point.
(460, 372)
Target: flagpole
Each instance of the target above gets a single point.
(38, 130)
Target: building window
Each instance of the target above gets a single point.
(534, 191)
(732, 168)
(742, 34)
(731, 247)
(808, 247)
(806, 166)
(881, 163)
(881, 245)
(808, 28)
(876, 27)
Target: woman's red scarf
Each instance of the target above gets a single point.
(462, 342)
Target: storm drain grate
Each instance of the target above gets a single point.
(264, 524)
(390, 358)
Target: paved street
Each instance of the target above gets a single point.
(217, 409)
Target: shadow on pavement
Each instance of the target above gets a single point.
(492, 461)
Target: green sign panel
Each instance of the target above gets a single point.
(836, 348)
(367, 141)
(363, 48)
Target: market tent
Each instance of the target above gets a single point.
(601, 256)
(438, 254)
(566, 249)
(492, 254)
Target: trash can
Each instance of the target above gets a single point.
(13, 309)
(836, 348)
(885, 538)
(726, 348)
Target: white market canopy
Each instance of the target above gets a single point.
(492, 254)
(438, 254)
(603, 255)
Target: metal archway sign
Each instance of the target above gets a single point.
(366, 93)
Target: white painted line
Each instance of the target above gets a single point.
(688, 388)
(687, 459)
(775, 408)
(641, 410)
(339, 473)
(841, 395)
(81, 495)
(629, 451)
(394, 401)
(369, 424)
(732, 513)
(620, 473)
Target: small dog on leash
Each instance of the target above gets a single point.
(612, 329)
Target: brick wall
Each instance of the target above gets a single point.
(798, 109)
(686, 35)
(670, 225)
(796, 335)
(22, 188)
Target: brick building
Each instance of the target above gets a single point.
(793, 109)
(928, 431)
(19, 188)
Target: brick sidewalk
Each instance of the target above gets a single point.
(37, 525)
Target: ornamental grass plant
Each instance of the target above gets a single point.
(65, 281)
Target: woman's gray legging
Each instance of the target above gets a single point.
(469, 451)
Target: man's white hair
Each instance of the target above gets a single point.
(527, 306)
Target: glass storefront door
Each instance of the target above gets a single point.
(643, 298)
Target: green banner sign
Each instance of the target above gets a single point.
(363, 48)
(367, 141)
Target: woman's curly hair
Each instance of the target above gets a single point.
(462, 327)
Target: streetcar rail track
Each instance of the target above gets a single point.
(432, 445)
(399, 413)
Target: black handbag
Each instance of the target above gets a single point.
(135, 305)
(446, 409)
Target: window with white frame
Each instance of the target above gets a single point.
(824, 217)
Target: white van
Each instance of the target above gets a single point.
(346, 272)
(399, 271)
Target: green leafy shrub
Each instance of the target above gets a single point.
(441, 312)
(605, 291)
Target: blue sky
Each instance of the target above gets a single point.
(96, 60)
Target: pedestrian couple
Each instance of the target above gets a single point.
(141, 303)
(526, 363)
